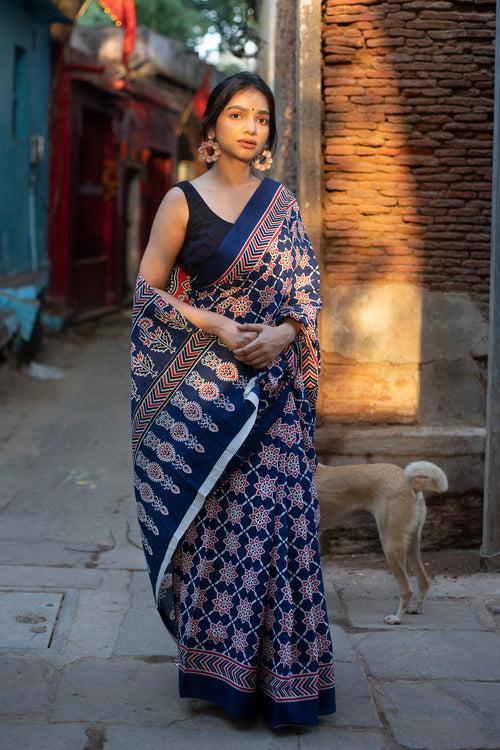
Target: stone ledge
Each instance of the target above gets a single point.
(402, 440)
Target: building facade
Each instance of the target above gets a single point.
(118, 147)
(25, 81)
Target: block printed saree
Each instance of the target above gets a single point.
(223, 465)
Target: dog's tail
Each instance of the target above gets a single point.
(426, 476)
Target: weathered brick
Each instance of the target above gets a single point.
(408, 139)
(386, 42)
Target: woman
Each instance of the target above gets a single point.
(225, 367)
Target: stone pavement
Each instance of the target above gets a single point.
(86, 662)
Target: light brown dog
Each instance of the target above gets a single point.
(394, 497)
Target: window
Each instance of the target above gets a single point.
(19, 92)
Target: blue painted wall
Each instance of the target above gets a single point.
(25, 25)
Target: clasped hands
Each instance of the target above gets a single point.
(262, 347)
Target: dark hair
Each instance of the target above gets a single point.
(225, 90)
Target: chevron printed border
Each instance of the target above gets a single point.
(296, 687)
(167, 383)
(245, 678)
(309, 363)
(141, 298)
(177, 284)
(261, 237)
(197, 661)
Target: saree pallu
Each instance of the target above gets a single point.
(223, 466)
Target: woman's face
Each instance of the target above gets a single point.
(244, 118)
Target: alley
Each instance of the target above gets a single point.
(86, 662)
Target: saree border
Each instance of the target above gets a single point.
(309, 352)
(259, 238)
(166, 384)
(281, 688)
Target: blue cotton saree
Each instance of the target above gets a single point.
(223, 465)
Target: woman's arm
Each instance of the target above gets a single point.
(165, 241)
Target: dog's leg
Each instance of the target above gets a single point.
(420, 572)
(396, 559)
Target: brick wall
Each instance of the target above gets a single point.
(407, 179)
(408, 111)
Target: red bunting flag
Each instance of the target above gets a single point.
(122, 13)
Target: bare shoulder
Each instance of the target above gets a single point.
(175, 197)
(170, 222)
(174, 207)
(166, 237)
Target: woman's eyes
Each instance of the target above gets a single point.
(238, 115)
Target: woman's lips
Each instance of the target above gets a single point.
(247, 144)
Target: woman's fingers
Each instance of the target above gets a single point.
(244, 352)
(250, 326)
(248, 348)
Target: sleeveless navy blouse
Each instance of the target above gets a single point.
(204, 231)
